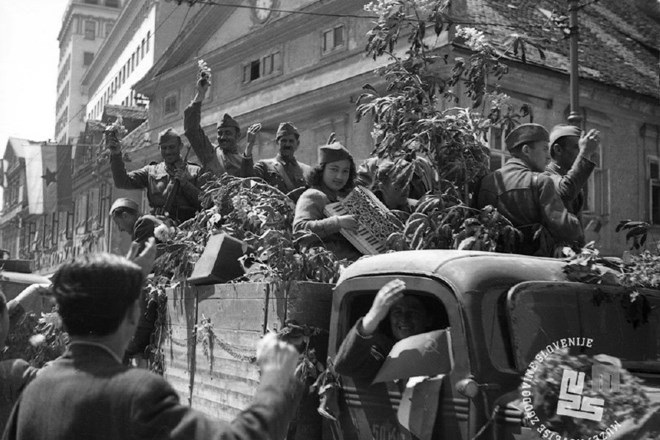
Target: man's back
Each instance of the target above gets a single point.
(528, 199)
(87, 393)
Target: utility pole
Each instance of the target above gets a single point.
(574, 118)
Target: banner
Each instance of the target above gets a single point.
(48, 175)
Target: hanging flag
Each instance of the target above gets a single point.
(48, 178)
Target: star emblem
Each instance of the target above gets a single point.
(50, 176)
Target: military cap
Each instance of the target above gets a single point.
(167, 135)
(526, 133)
(333, 152)
(125, 203)
(286, 128)
(563, 130)
(228, 121)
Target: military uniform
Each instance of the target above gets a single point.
(570, 183)
(529, 199)
(283, 175)
(155, 177)
(213, 158)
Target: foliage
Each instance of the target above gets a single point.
(628, 402)
(408, 120)
(36, 339)
(637, 232)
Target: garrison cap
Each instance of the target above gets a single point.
(227, 122)
(125, 203)
(563, 130)
(399, 172)
(333, 152)
(286, 128)
(526, 133)
(167, 135)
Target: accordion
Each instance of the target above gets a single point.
(374, 219)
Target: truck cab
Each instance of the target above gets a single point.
(501, 310)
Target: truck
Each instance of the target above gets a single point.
(501, 310)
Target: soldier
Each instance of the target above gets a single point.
(571, 163)
(225, 157)
(159, 177)
(393, 185)
(527, 197)
(283, 171)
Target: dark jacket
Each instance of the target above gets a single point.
(529, 199)
(155, 177)
(283, 176)
(360, 357)
(310, 217)
(212, 157)
(88, 394)
(15, 374)
(570, 183)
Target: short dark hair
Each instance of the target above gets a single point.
(316, 176)
(95, 291)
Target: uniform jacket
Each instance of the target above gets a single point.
(155, 177)
(570, 183)
(310, 217)
(212, 157)
(144, 227)
(283, 176)
(527, 199)
(88, 394)
(359, 356)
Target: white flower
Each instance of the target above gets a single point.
(164, 233)
(474, 38)
(37, 340)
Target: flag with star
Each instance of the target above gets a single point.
(48, 178)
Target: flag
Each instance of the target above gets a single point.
(48, 178)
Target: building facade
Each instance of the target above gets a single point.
(85, 25)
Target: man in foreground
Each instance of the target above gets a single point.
(88, 393)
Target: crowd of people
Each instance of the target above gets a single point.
(101, 301)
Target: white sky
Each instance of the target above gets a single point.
(29, 55)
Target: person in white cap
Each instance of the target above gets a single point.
(126, 215)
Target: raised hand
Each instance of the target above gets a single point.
(589, 142)
(276, 355)
(252, 132)
(386, 296)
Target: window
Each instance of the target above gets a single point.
(112, 3)
(142, 48)
(171, 105)
(268, 65)
(90, 30)
(498, 152)
(333, 39)
(148, 37)
(88, 57)
(108, 28)
(92, 2)
(654, 190)
(133, 62)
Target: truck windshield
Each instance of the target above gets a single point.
(585, 319)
